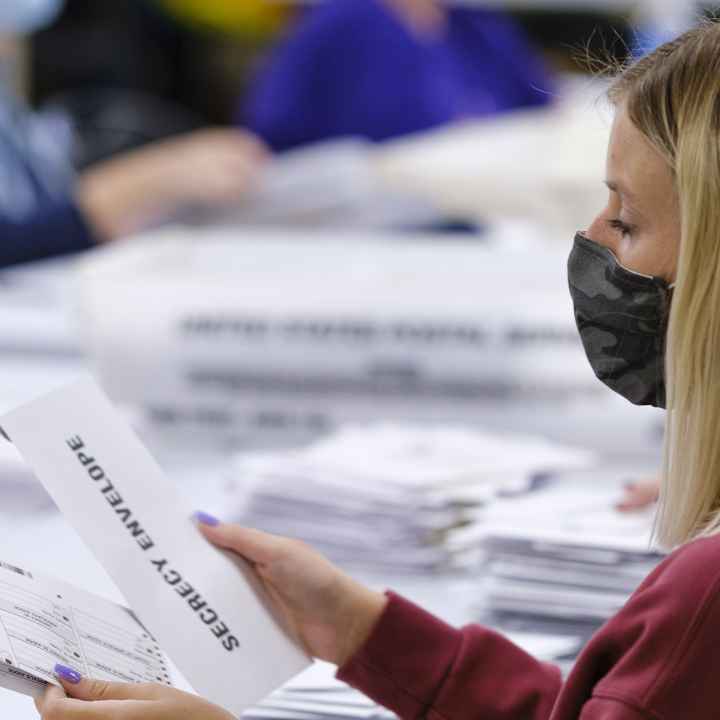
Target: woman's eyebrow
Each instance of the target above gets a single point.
(629, 200)
(618, 188)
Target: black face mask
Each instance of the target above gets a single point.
(622, 317)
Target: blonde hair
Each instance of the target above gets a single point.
(673, 97)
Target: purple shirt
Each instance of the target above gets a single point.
(352, 67)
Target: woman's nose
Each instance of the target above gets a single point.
(601, 233)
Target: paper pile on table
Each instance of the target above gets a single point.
(326, 184)
(387, 495)
(563, 146)
(565, 552)
(247, 334)
(316, 694)
(223, 320)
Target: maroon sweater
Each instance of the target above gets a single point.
(657, 659)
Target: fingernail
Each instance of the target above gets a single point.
(205, 519)
(68, 674)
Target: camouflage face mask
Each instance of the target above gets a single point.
(622, 317)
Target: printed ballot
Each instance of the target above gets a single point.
(204, 607)
(44, 622)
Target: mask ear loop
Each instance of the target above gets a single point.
(662, 380)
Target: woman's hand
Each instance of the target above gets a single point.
(330, 613)
(81, 699)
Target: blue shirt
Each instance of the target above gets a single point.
(351, 67)
(55, 228)
(38, 217)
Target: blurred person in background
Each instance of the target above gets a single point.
(385, 68)
(214, 47)
(46, 210)
(245, 17)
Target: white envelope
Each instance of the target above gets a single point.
(204, 607)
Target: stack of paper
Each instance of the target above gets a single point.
(221, 319)
(565, 552)
(316, 694)
(563, 147)
(284, 332)
(332, 183)
(386, 496)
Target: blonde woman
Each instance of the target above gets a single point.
(652, 255)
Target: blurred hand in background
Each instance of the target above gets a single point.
(639, 495)
(204, 169)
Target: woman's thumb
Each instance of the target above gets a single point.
(80, 688)
(256, 546)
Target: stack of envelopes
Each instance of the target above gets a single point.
(317, 695)
(386, 497)
(565, 552)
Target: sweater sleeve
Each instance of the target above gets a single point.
(419, 667)
(56, 229)
(609, 709)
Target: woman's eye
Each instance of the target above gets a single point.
(618, 225)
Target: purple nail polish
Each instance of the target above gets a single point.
(205, 519)
(68, 674)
